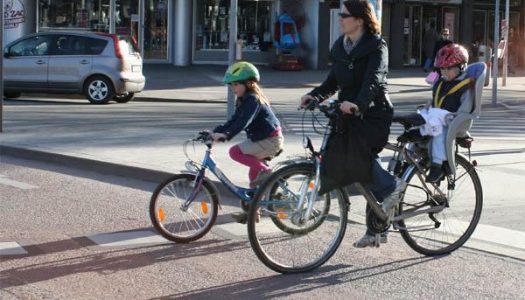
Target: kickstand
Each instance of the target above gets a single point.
(377, 240)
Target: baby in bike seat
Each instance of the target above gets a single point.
(254, 115)
(451, 93)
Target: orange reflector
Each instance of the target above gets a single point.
(204, 207)
(311, 185)
(161, 214)
(282, 215)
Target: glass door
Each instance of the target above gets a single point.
(127, 21)
(412, 30)
(156, 29)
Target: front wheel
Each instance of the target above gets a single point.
(172, 219)
(282, 236)
(445, 231)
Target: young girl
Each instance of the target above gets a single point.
(449, 92)
(253, 115)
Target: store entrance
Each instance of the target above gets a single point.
(146, 23)
(417, 22)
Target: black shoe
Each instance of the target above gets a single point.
(435, 174)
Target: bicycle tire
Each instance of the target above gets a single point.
(421, 244)
(157, 211)
(281, 225)
(261, 242)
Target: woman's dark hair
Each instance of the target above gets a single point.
(364, 10)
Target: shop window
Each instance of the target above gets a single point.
(90, 15)
(254, 25)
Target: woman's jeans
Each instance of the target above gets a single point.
(384, 184)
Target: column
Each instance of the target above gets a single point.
(183, 30)
(465, 22)
(396, 46)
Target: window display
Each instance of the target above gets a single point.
(254, 24)
(87, 14)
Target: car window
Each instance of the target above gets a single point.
(79, 45)
(34, 46)
(95, 46)
(128, 45)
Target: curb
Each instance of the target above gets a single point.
(97, 166)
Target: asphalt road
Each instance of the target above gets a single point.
(56, 213)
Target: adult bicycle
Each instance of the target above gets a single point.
(433, 219)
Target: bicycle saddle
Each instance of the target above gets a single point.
(272, 157)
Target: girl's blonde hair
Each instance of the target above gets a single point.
(253, 86)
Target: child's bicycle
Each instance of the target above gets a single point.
(183, 208)
(433, 219)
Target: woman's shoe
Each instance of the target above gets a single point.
(370, 240)
(242, 217)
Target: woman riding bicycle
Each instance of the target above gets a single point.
(358, 72)
(254, 115)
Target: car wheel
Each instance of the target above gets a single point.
(124, 98)
(98, 90)
(12, 95)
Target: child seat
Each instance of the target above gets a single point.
(468, 111)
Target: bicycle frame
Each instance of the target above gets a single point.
(209, 163)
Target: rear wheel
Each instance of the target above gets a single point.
(98, 90)
(445, 231)
(176, 222)
(284, 238)
(124, 98)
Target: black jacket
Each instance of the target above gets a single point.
(359, 77)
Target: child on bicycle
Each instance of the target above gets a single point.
(449, 92)
(254, 115)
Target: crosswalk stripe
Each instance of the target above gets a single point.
(11, 248)
(127, 238)
(21, 185)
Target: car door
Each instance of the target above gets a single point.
(69, 63)
(26, 63)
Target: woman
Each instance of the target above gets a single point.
(358, 72)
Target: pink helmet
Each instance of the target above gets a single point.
(451, 55)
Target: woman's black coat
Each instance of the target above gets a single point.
(359, 77)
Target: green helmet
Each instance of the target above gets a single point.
(241, 71)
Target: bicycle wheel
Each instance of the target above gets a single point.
(175, 222)
(305, 243)
(453, 225)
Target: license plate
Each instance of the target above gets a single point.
(136, 69)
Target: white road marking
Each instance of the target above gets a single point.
(126, 239)
(21, 185)
(11, 248)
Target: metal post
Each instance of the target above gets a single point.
(233, 46)
(112, 15)
(2, 67)
(495, 59)
(506, 50)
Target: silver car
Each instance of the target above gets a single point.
(100, 66)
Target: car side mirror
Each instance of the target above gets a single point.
(6, 54)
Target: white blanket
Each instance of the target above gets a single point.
(435, 121)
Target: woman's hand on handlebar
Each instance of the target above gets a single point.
(218, 137)
(306, 100)
(348, 108)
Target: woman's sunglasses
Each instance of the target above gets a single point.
(345, 15)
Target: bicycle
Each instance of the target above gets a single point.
(183, 208)
(309, 247)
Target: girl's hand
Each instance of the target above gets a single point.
(348, 108)
(218, 137)
(306, 99)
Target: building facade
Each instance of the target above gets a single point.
(186, 32)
